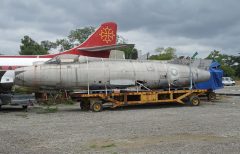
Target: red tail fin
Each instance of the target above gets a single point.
(104, 35)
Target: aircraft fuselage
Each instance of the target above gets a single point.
(102, 73)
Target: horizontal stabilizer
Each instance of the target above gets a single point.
(105, 48)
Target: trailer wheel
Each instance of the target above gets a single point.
(96, 106)
(211, 96)
(194, 100)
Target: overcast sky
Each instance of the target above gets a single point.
(187, 25)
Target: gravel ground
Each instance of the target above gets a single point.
(212, 127)
(229, 90)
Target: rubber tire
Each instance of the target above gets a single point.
(194, 100)
(211, 96)
(96, 106)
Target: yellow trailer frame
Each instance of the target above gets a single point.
(118, 99)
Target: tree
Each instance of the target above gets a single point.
(47, 45)
(217, 56)
(81, 34)
(238, 70)
(236, 65)
(65, 44)
(30, 47)
(228, 62)
(228, 71)
(75, 37)
(129, 51)
(134, 54)
(164, 54)
(159, 50)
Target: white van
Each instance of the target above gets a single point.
(228, 81)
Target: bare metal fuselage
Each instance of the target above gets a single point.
(101, 73)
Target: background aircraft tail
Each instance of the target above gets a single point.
(105, 35)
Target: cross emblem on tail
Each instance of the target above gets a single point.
(107, 34)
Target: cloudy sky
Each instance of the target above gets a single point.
(187, 25)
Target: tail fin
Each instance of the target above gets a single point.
(105, 35)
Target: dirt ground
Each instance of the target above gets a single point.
(237, 82)
(212, 127)
(231, 90)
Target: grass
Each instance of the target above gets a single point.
(108, 145)
(68, 102)
(93, 146)
(103, 146)
(48, 109)
(22, 90)
(52, 101)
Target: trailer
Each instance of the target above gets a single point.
(117, 98)
(23, 100)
